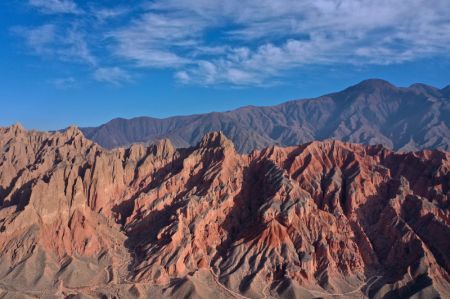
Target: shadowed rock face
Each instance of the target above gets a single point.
(304, 221)
(371, 112)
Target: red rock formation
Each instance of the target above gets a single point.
(322, 219)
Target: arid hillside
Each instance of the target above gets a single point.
(322, 219)
(371, 112)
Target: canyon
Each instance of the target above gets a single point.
(323, 219)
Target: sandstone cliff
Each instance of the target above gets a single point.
(324, 219)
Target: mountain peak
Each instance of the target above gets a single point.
(215, 140)
(17, 128)
(373, 84)
(362, 113)
(72, 131)
(421, 85)
(164, 147)
(446, 90)
(425, 89)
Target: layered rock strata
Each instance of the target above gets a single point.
(321, 219)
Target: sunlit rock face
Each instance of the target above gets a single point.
(305, 221)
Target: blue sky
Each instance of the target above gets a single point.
(79, 62)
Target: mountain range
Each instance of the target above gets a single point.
(371, 112)
(319, 220)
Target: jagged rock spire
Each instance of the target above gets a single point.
(215, 140)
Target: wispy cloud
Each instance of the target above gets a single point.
(56, 6)
(54, 42)
(39, 38)
(243, 42)
(154, 40)
(112, 75)
(243, 66)
(106, 14)
(64, 83)
(75, 45)
(264, 40)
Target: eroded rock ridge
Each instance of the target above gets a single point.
(320, 219)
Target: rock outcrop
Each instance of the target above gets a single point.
(321, 219)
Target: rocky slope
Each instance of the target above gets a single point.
(371, 112)
(324, 219)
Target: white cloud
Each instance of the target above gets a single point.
(38, 38)
(113, 75)
(56, 6)
(183, 77)
(75, 45)
(51, 41)
(262, 66)
(247, 42)
(105, 14)
(155, 40)
(63, 83)
(260, 41)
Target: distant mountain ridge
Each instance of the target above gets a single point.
(371, 112)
